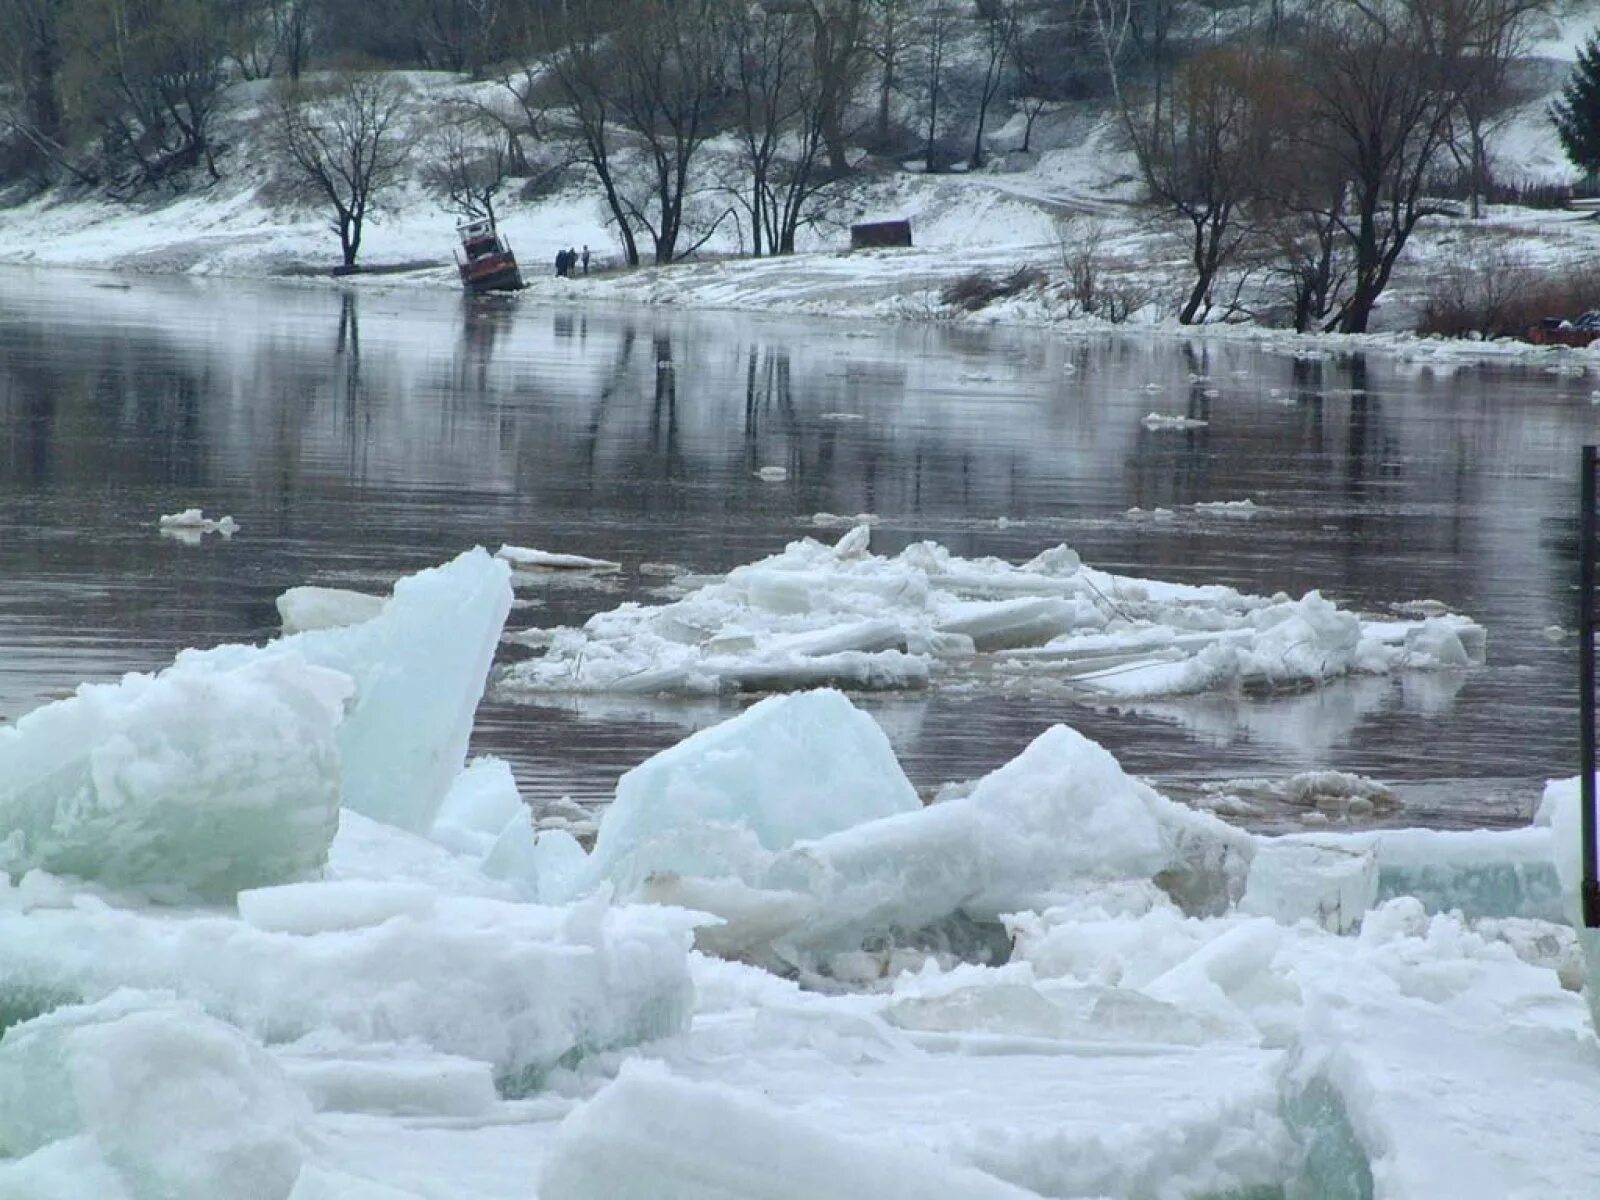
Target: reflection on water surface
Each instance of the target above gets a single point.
(359, 437)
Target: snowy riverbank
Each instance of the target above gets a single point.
(1074, 196)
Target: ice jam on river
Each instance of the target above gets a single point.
(265, 934)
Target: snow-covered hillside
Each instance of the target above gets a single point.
(1075, 194)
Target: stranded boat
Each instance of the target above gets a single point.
(1556, 331)
(490, 266)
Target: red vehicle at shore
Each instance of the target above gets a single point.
(1558, 331)
(490, 266)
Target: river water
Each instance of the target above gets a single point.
(358, 437)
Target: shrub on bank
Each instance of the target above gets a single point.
(1490, 288)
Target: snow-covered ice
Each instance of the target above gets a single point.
(149, 1095)
(651, 1136)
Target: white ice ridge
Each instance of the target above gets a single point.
(818, 614)
(517, 986)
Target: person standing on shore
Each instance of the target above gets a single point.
(586, 260)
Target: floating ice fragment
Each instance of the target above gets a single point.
(1228, 508)
(818, 614)
(1167, 421)
(303, 608)
(525, 558)
(826, 520)
(193, 520)
(773, 474)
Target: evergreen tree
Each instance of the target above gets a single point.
(1577, 113)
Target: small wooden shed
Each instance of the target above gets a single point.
(872, 234)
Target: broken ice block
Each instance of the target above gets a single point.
(193, 783)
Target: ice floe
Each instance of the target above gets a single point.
(817, 614)
(191, 523)
(525, 558)
(305, 608)
(1158, 421)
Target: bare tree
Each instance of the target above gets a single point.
(470, 159)
(888, 43)
(158, 73)
(780, 125)
(1200, 145)
(34, 111)
(1379, 78)
(999, 20)
(936, 29)
(672, 60)
(344, 146)
(572, 96)
(840, 52)
(1494, 39)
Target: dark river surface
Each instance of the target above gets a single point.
(358, 437)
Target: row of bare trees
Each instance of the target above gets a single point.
(1309, 154)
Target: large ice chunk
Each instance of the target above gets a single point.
(389, 1080)
(789, 769)
(1290, 881)
(1481, 872)
(483, 798)
(1561, 810)
(1442, 1057)
(179, 1106)
(1060, 814)
(514, 985)
(650, 1136)
(419, 668)
(193, 783)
